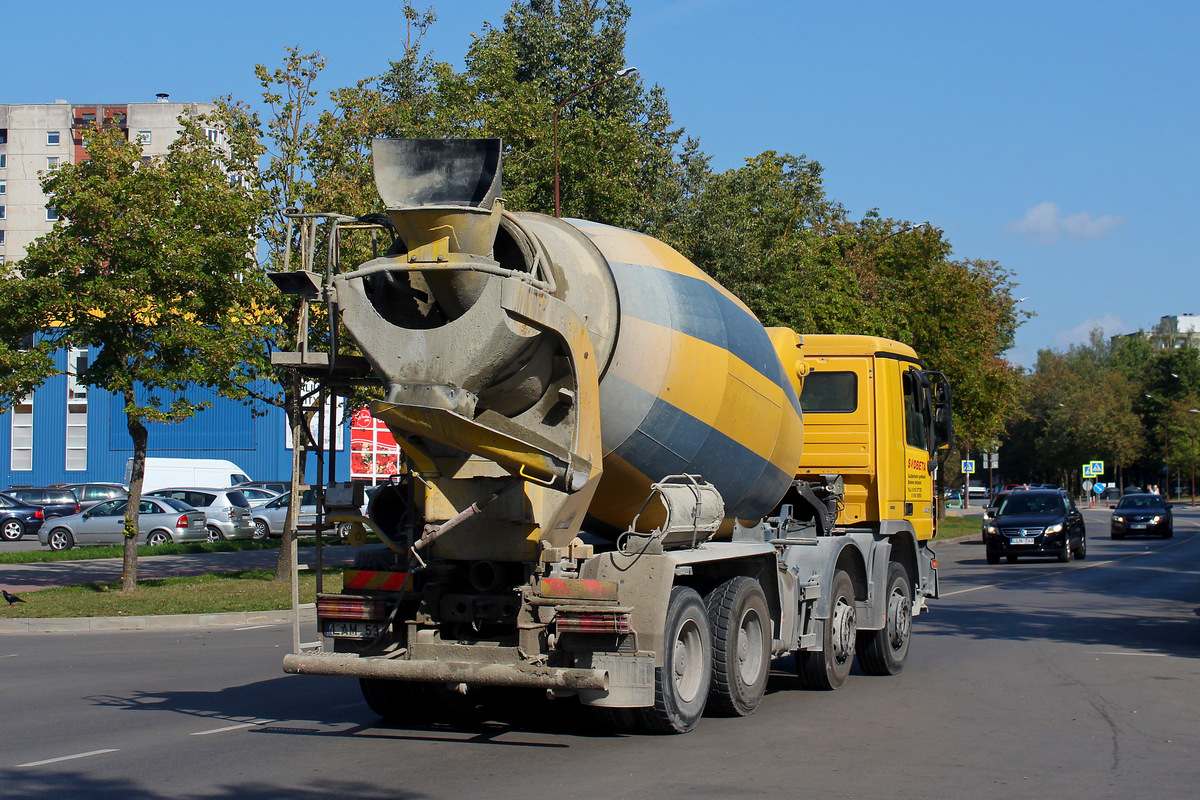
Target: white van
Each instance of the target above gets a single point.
(162, 473)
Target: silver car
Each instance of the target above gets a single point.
(160, 520)
(269, 517)
(228, 510)
(257, 496)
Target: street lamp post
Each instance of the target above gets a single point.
(621, 73)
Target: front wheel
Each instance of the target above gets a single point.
(681, 683)
(993, 556)
(739, 624)
(829, 668)
(884, 651)
(12, 530)
(60, 539)
(1064, 555)
(1081, 551)
(157, 539)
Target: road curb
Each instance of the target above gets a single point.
(150, 622)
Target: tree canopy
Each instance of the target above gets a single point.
(152, 263)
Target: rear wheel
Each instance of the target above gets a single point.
(739, 623)
(12, 529)
(681, 683)
(60, 539)
(414, 701)
(884, 651)
(157, 539)
(829, 668)
(214, 534)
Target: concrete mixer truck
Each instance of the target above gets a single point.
(620, 487)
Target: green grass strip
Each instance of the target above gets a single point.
(248, 590)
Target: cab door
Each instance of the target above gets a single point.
(918, 432)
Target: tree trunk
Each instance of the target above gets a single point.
(294, 403)
(139, 435)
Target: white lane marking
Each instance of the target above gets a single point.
(1088, 565)
(1152, 655)
(253, 627)
(68, 758)
(238, 727)
(10, 655)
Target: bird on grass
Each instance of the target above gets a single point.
(11, 598)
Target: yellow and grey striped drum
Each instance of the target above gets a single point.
(693, 385)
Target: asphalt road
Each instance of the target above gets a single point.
(1031, 680)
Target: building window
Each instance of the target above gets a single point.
(88, 117)
(144, 138)
(1, 212)
(1, 236)
(3, 160)
(3, 135)
(76, 456)
(21, 453)
(3, 187)
(51, 214)
(51, 162)
(52, 137)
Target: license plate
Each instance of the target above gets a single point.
(1021, 540)
(1139, 526)
(352, 628)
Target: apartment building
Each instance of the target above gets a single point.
(37, 137)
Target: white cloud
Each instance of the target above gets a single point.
(1045, 223)
(1081, 334)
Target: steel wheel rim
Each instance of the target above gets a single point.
(750, 641)
(900, 616)
(844, 622)
(689, 662)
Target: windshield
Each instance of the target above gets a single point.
(1142, 501)
(1032, 504)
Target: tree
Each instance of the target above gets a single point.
(151, 262)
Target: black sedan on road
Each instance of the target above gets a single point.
(1142, 514)
(18, 518)
(1037, 522)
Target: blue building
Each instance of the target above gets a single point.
(68, 433)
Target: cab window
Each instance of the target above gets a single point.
(916, 414)
(829, 392)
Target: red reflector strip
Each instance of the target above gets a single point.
(360, 579)
(578, 589)
(340, 607)
(594, 622)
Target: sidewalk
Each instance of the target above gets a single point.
(19, 578)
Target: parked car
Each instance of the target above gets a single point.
(227, 510)
(18, 518)
(89, 494)
(257, 496)
(160, 520)
(1036, 522)
(54, 502)
(278, 487)
(270, 516)
(1142, 514)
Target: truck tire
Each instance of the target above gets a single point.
(681, 683)
(740, 626)
(414, 701)
(829, 668)
(884, 651)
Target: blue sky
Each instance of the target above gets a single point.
(1057, 138)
